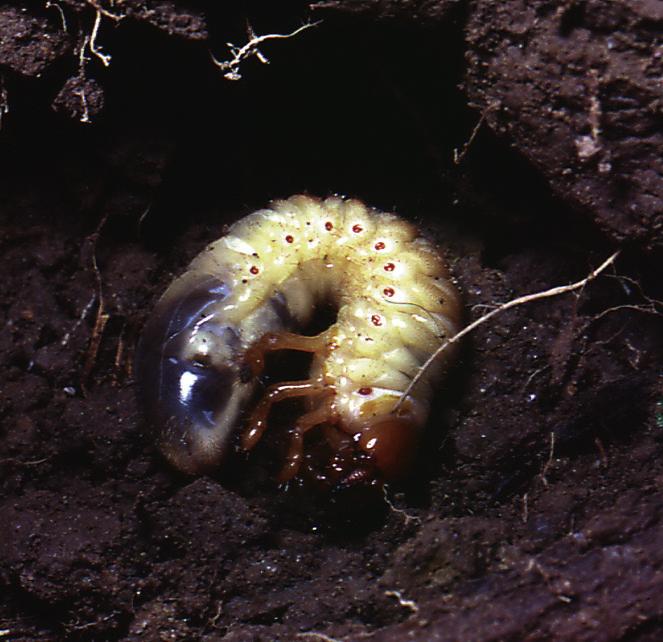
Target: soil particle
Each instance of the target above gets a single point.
(28, 41)
(574, 590)
(80, 98)
(181, 19)
(442, 551)
(576, 89)
(425, 12)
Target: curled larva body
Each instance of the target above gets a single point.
(204, 346)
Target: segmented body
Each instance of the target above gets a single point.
(241, 297)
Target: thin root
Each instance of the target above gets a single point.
(58, 8)
(392, 507)
(459, 155)
(102, 316)
(408, 604)
(4, 100)
(549, 461)
(528, 298)
(314, 635)
(239, 54)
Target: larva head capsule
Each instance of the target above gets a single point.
(188, 371)
(391, 443)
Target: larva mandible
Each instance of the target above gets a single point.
(204, 345)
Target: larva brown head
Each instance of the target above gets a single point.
(391, 442)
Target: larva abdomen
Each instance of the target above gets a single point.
(204, 346)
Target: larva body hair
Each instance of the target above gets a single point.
(204, 346)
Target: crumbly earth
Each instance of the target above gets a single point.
(535, 510)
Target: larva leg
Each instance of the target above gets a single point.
(336, 438)
(254, 357)
(323, 414)
(278, 392)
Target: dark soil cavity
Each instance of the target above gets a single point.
(534, 511)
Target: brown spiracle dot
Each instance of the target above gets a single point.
(365, 390)
(379, 246)
(376, 319)
(329, 226)
(388, 291)
(357, 228)
(254, 270)
(389, 267)
(289, 238)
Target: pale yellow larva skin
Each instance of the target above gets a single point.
(396, 303)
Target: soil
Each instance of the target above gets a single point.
(535, 509)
